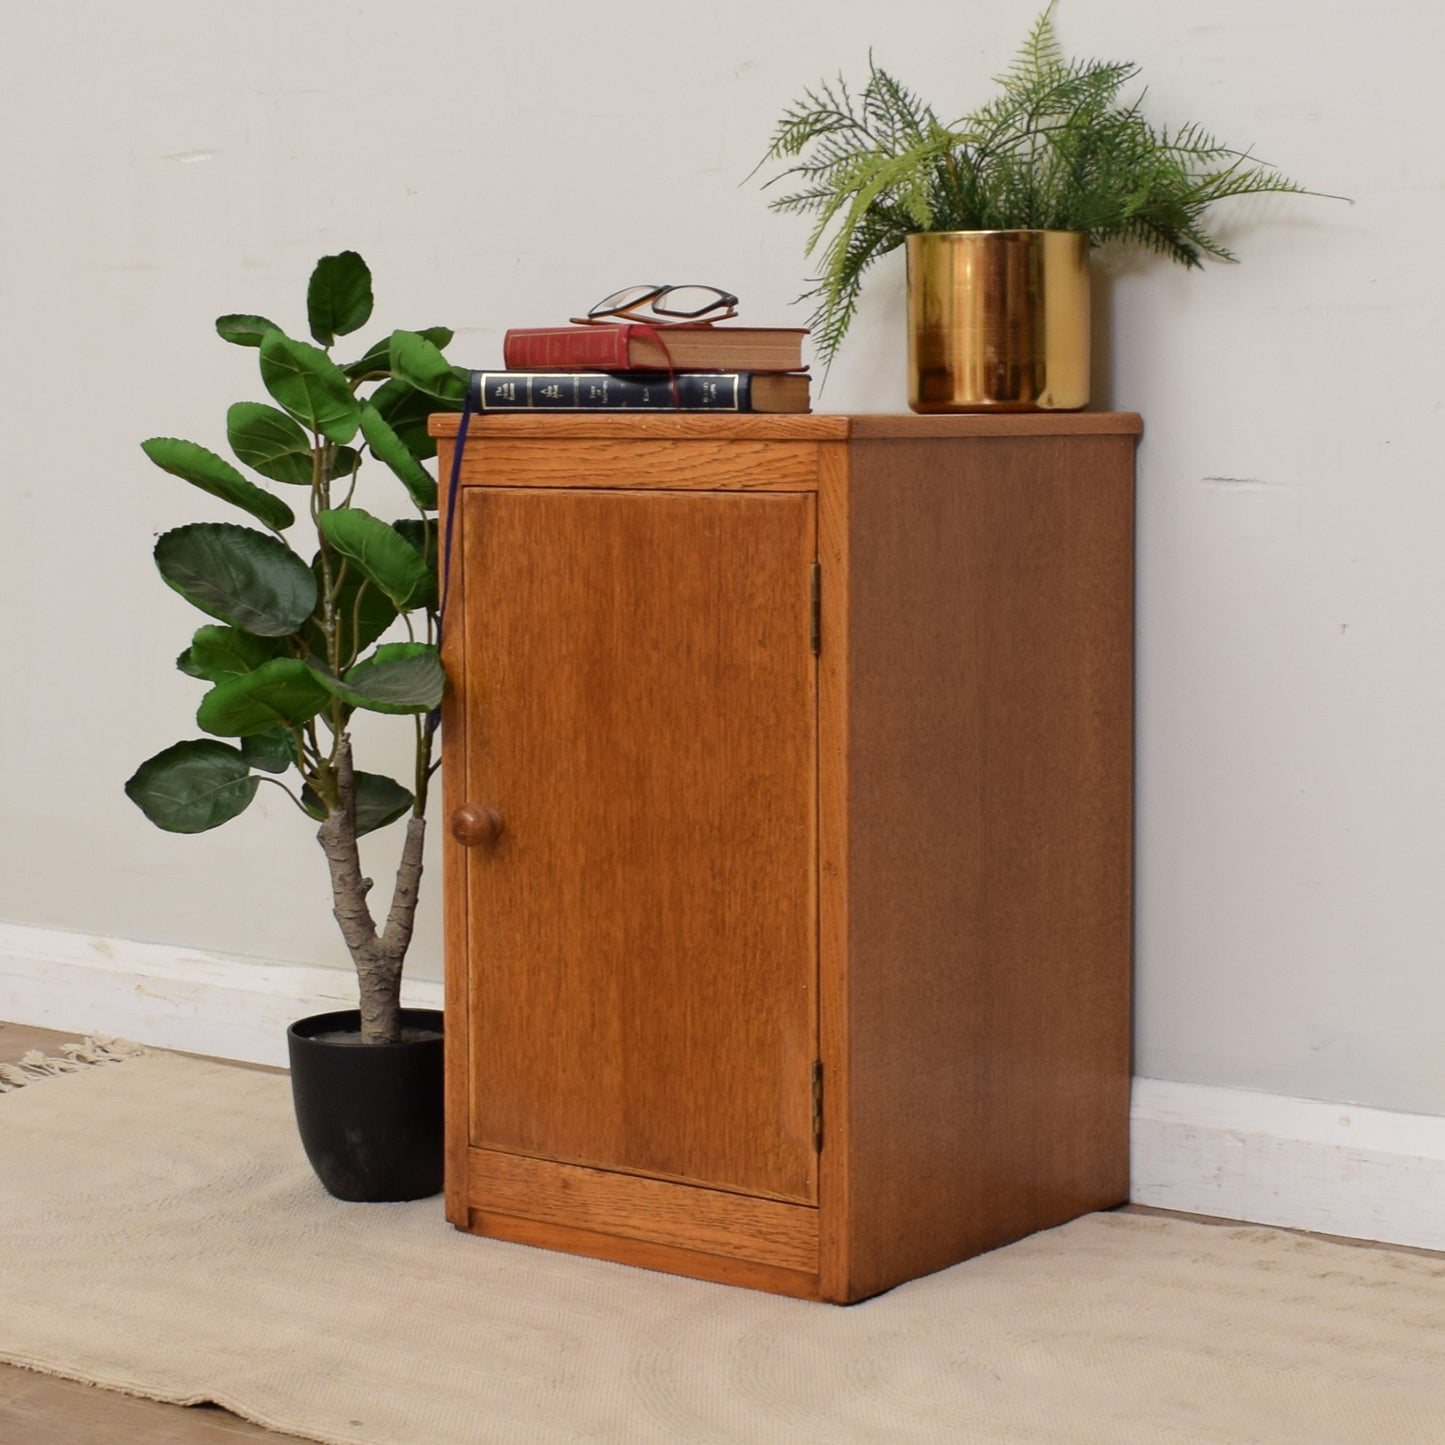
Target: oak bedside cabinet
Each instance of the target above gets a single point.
(788, 801)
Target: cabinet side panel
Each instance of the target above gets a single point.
(990, 805)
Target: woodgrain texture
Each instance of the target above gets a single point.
(644, 952)
(733, 1225)
(933, 900)
(834, 1183)
(634, 426)
(645, 464)
(815, 426)
(998, 424)
(463, 682)
(647, 1254)
(990, 706)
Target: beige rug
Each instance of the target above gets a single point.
(161, 1233)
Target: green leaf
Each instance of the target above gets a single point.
(270, 442)
(405, 410)
(244, 330)
(244, 577)
(272, 752)
(377, 360)
(285, 691)
(380, 555)
(217, 653)
(363, 613)
(338, 298)
(399, 677)
(192, 786)
(379, 801)
(213, 474)
(387, 447)
(421, 534)
(310, 386)
(420, 364)
(343, 462)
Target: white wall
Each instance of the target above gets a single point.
(169, 160)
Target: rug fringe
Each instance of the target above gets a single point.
(94, 1049)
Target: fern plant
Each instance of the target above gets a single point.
(1056, 149)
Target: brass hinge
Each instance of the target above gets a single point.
(818, 1106)
(815, 608)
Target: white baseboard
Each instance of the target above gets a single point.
(174, 998)
(1271, 1159)
(1233, 1153)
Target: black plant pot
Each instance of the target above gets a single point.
(370, 1115)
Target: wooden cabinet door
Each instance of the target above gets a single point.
(642, 939)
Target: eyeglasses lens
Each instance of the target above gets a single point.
(691, 300)
(627, 299)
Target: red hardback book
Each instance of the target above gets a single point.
(639, 347)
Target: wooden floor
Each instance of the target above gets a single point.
(40, 1409)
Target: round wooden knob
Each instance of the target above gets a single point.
(476, 825)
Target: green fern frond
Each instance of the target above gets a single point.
(820, 113)
(1038, 57)
(1055, 149)
(898, 119)
(836, 295)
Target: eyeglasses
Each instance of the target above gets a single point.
(675, 303)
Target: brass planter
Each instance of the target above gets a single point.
(998, 321)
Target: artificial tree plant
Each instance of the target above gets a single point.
(300, 609)
(1055, 150)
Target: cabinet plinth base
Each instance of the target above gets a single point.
(666, 1258)
(632, 1219)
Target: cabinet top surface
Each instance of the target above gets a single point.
(810, 426)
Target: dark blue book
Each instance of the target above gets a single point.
(727, 391)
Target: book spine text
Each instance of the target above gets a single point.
(606, 391)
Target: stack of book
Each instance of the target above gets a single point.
(625, 366)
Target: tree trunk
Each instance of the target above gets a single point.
(378, 959)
